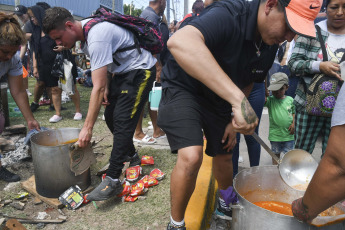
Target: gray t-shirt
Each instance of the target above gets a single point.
(11, 67)
(338, 117)
(149, 14)
(104, 39)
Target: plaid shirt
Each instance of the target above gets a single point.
(303, 55)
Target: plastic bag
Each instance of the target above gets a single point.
(66, 83)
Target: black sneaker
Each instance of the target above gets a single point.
(134, 160)
(52, 108)
(7, 176)
(34, 106)
(105, 190)
(223, 213)
(173, 227)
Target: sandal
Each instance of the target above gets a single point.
(146, 140)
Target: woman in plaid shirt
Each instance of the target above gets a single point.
(307, 60)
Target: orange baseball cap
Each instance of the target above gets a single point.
(300, 15)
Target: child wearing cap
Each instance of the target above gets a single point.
(281, 112)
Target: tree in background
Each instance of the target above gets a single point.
(134, 12)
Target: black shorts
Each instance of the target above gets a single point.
(185, 120)
(46, 76)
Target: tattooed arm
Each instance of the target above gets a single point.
(199, 63)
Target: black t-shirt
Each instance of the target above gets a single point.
(165, 36)
(47, 55)
(228, 28)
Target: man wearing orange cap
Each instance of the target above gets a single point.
(216, 59)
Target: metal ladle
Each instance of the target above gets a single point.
(297, 166)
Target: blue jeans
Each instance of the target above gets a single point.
(257, 101)
(282, 146)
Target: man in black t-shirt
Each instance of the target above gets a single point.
(216, 59)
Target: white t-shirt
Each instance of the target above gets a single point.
(104, 39)
(11, 67)
(335, 45)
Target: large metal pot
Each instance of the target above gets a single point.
(52, 162)
(264, 183)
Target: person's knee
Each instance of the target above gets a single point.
(40, 83)
(190, 161)
(56, 90)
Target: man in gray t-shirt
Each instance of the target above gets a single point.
(124, 92)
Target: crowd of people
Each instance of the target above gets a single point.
(218, 68)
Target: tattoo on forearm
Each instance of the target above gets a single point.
(247, 111)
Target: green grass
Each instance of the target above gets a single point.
(151, 213)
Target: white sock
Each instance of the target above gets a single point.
(175, 223)
(113, 179)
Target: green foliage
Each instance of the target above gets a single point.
(135, 11)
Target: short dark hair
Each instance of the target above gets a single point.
(198, 6)
(44, 5)
(56, 18)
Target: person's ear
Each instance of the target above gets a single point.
(269, 5)
(69, 25)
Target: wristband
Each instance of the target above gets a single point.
(300, 210)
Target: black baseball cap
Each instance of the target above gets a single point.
(20, 10)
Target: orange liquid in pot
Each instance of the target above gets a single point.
(70, 141)
(274, 206)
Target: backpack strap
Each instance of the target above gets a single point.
(99, 18)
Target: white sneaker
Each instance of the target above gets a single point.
(150, 122)
(78, 116)
(150, 127)
(28, 92)
(103, 117)
(55, 119)
(240, 159)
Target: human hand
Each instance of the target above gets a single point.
(33, 124)
(85, 136)
(105, 101)
(292, 129)
(245, 119)
(58, 48)
(230, 135)
(35, 72)
(300, 211)
(158, 78)
(330, 69)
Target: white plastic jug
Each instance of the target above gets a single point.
(155, 96)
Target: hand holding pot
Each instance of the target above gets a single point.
(85, 136)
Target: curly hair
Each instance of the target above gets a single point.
(56, 18)
(10, 31)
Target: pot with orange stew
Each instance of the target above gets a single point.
(265, 204)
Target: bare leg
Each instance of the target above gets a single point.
(56, 96)
(38, 91)
(76, 100)
(222, 170)
(157, 132)
(139, 133)
(26, 82)
(183, 179)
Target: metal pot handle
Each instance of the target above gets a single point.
(237, 217)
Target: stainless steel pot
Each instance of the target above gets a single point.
(263, 183)
(52, 162)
